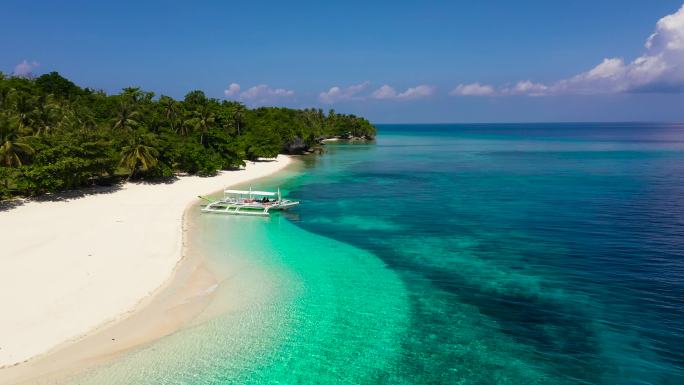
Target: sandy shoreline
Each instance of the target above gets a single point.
(68, 268)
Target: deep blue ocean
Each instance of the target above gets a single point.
(530, 253)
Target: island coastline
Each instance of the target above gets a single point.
(177, 295)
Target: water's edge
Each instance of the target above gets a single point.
(174, 305)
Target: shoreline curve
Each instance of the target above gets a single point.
(77, 268)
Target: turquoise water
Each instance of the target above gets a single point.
(454, 254)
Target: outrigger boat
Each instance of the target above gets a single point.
(248, 202)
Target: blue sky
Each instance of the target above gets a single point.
(394, 61)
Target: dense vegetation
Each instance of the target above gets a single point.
(56, 136)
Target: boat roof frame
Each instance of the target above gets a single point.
(250, 192)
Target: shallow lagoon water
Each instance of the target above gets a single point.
(472, 254)
(290, 305)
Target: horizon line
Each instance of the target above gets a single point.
(537, 122)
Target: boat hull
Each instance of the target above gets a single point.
(256, 209)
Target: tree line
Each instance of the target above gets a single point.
(55, 135)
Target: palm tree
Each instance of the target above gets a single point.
(87, 120)
(126, 117)
(133, 94)
(238, 116)
(82, 122)
(138, 155)
(203, 121)
(13, 150)
(6, 97)
(23, 105)
(330, 122)
(186, 127)
(315, 120)
(170, 110)
(45, 116)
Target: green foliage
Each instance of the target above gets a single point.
(261, 142)
(126, 116)
(197, 160)
(56, 136)
(4, 182)
(68, 161)
(140, 153)
(13, 149)
(229, 150)
(53, 83)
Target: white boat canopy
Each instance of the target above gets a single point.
(250, 192)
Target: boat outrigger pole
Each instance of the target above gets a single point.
(206, 199)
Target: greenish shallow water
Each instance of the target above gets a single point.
(310, 310)
(474, 254)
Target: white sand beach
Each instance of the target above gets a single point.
(69, 267)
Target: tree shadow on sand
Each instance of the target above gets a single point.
(63, 196)
(11, 204)
(156, 181)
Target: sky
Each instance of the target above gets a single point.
(390, 61)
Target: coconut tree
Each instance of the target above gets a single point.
(46, 116)
(82, 121)
(138, 154)
(315, 120)
(6, 97)
(238, 117)
(170, 107)
(87, 120)
(23, 104)
(13, 149)
(186, 127)
(126, 117)
(203, 121)
(135, 94)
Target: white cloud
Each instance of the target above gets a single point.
(336, 94)
(526, 87)
(417, 92)
(384, 92)
(607, 69)
(25, 68)
(659, 69)
(232, 91)
(387, 92)
(473, 89)
(261, 93)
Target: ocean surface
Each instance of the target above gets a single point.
(448, 254)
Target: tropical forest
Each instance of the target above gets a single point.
(56, 136)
